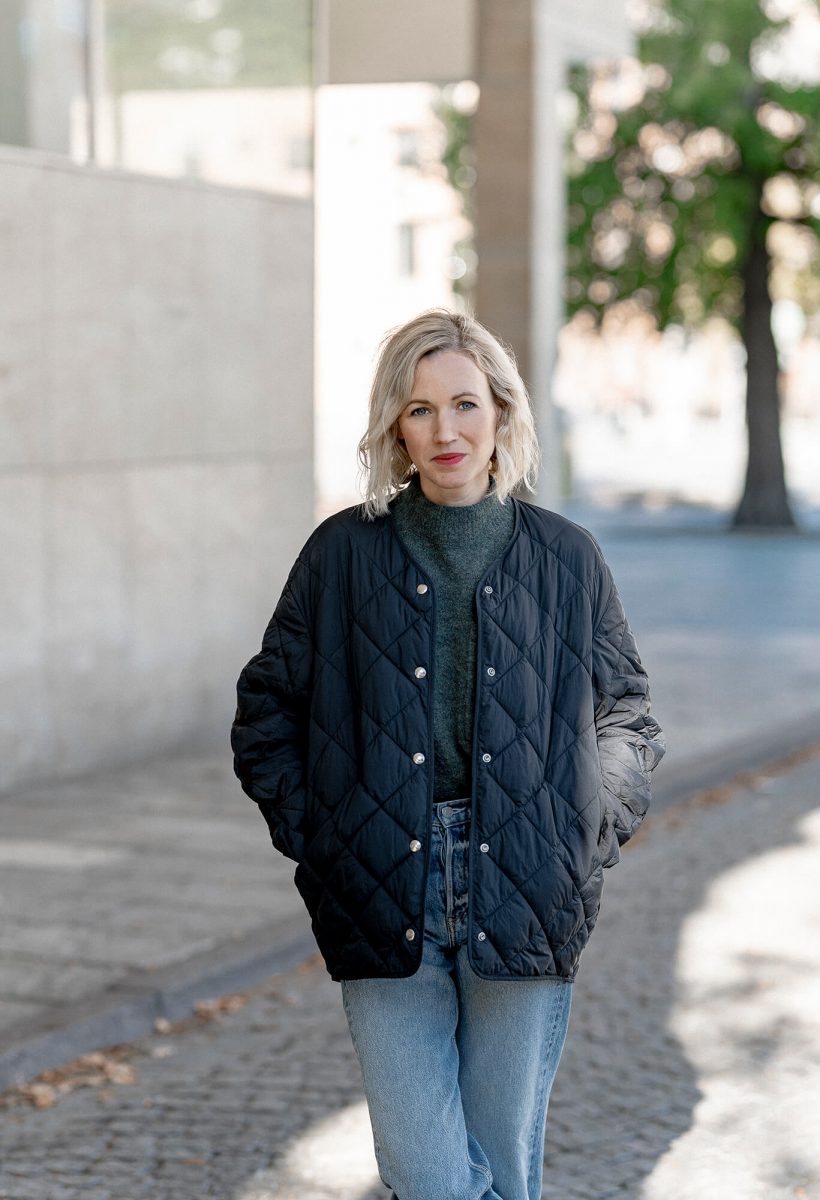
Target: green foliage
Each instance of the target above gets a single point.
(459, 160)
(159, 44)
(458, 156)
(668, 193)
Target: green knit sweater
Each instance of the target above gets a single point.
(454, 546)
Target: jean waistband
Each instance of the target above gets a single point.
(451, 812)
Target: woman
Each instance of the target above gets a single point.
(448, 730)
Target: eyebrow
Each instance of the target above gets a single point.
(456, 397)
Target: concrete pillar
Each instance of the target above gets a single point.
(519, 217)
(523, 49)
(503, 137)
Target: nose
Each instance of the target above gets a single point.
(444, 428)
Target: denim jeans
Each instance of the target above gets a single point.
(457, 1070)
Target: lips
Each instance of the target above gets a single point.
(449, 459)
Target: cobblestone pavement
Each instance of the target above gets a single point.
(692, 1069)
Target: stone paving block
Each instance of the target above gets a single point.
(40, 981)
(98, 947)
(690, 1070)
(13, 1011)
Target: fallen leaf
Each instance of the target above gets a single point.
(164, 1051)
(209, 1010)
(41, 1095)
(120, 1072)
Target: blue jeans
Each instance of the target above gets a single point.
(457, 1070)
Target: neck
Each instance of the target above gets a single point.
(460, 497)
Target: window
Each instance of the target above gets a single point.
(408, 143)
(218, 89)
(407, 249)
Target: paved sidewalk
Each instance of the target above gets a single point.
(129, 894)
(691, 1071)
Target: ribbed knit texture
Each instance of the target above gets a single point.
(454, 546)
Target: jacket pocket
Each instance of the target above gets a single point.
(609, 850)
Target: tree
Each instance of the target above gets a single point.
(678, 190)
(162, 44)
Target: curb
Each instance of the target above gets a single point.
(128, 1009)
(716, 768)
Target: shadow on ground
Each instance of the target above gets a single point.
(686, 985)
(265, 1102)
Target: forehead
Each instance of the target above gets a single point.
(450, 369)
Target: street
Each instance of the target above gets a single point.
(691, 1072)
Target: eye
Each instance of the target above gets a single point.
(467, 404)
(418, 409)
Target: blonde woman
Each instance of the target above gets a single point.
(448, 730)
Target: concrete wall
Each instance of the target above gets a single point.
(156, 369)
(395, 41)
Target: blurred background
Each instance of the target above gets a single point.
(211, 211)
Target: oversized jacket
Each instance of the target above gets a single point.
(333, 738)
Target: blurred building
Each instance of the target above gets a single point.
(210, 212)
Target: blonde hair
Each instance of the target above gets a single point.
(385, 463)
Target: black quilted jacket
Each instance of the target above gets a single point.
(333, 738)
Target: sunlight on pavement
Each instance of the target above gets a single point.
(333, 1159)
(747, 1019)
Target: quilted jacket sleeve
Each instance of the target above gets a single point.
(269, 731)
(630, 740)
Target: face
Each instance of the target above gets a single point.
(448, 427)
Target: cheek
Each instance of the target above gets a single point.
(409, 432)
(407, 437)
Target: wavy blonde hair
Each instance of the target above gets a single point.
(385, 464)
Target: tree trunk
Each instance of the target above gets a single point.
(764, 501)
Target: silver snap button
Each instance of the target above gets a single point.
(483, 847)
(420, 673)
(482, 937)
(488, 591)
(410, 935)
(486, 757)
(418, 758)
(445, 812)
(491, 670)
(421, 588)
(415, 845)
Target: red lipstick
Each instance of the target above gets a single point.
(449, 459)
